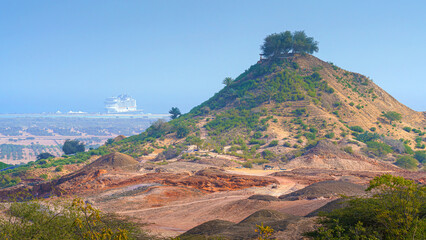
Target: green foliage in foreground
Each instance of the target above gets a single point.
(38, 220)
(396, 211)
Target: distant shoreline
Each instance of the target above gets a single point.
(85, 115)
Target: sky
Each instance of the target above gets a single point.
(71, 55)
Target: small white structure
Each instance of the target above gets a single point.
(120, 104)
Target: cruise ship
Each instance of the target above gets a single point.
(120, 104)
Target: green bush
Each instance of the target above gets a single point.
(287, 144)
(407, 162)
(356, 129)
(247, 165)
(348, 149)
(257, 141)
(273, 143)
(378, 149)
(395, 211)
(268, 155)
(420, 156)
(74, 220)
(329, 135)
(407, 129)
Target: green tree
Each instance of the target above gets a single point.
(37, 219)
(44, 155)
(281, 44)
(228, 81)
(396, 210)
(277, 44)
(73, 146)
(303, 43)
(392, 116)
(175, 113)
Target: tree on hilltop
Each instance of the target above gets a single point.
(227, 81)
(175, 113)
(281, 44)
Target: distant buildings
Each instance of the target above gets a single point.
(120, 104)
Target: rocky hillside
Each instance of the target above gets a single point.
(277, 110)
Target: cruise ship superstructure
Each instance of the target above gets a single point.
(120, 104)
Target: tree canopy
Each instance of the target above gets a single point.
(281, 44)
(175, 112)
(44, 155)
(392, 116)
(73, 146)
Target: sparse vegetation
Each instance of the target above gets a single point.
(395, 211)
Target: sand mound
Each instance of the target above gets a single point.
(114, 160)
(209, 228)
(335, 204)
(326, 155)
(326, 189)
(261, 197)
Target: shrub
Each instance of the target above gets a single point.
(356, 129)
(44, 176)
(407, 129)
(287, 144)
(44, 155)
(378, 149)
(373, 129)
(247, 165)
(268, 155)
(74, 220)
(329, 135)
(394, 211)
(420, 156)
(367, 136)
(348, 149)
(407, 162)
(351, 104)
(310, 135)
(257, 141)
(273, 143)
(59, 168)
(257, 135)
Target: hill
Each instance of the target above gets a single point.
(278, 109)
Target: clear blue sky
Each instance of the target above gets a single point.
(71, 55)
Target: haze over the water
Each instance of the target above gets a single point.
(58, 55)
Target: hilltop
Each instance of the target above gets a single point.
(278, 109)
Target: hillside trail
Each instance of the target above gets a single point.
(286, 185)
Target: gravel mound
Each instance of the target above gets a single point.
(209, 228)
(114, 160)
(326, 189)
(242, 230)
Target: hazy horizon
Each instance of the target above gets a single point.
(70, 56)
